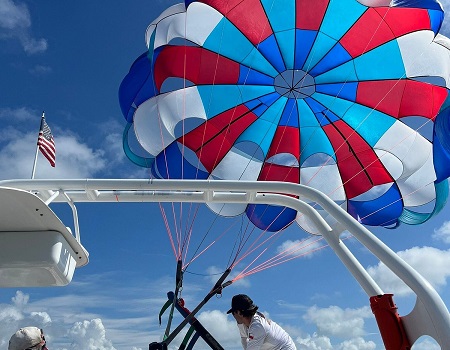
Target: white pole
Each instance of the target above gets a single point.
(37, 148)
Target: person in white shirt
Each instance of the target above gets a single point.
(257, 331)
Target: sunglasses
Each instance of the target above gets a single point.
(42, 345)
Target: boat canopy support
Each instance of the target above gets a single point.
(429, 317)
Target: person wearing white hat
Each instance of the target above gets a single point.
(28, 338)
(257, 331)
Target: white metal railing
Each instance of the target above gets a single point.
(429, 317)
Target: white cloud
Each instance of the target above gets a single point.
(445, 30)
(74, 159)
(314, 342)
(20, 114)
(300, 248)
(15, 315)
(357, 344)
(89, 335)
(334, 321)
(221, 327)
(426, 343)
(442, 233)
(40, 70)
(431, 263)
(15, 23)
(13, 15)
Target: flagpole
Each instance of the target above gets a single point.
(37, 148)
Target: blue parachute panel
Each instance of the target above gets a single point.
(269, 48)
(424, 4)
(374, 64)
(306, 116)
(304, 40)
(322, 45)
(171, 164)
(348, 12)
(270, 99)
(345, 72)
(441, 145)
(369, 212)
(212, 96)
(314, 140)
(269, 217)
(230, 42)
(346, 91)
(337, 105)
(281, 14)
(290, 114)
(335, 57)
(436, 19)
(136, 87)
(286, 40)
(248, 76)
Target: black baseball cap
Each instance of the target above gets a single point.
(241, 302)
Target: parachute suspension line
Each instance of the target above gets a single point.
(177, 254)
(288, 254)
(273, 237)
(233, 256)
(169, 232)
(187, 240)
(244, 237)
(197, 255)
(254, 246)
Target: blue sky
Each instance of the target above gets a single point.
(68, 58)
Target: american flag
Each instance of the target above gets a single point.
(46, 143)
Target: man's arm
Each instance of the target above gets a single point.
(243, 333)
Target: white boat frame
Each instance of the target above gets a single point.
(429, 317)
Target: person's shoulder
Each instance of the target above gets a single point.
(258, 321)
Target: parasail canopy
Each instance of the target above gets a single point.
(349, 97)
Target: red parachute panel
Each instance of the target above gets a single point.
(196, 64)
(248, 16)
(358, 163)
(405, 20)
(279, 144)
(362, 38)
(275, 172)
(215, 137)
(402, 98)
(309, 14)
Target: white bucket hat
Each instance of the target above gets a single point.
(25, 338)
